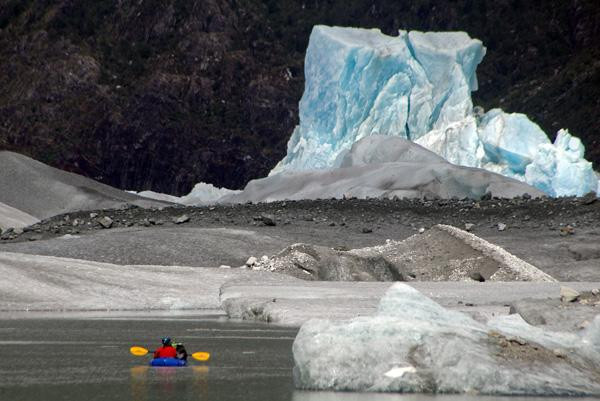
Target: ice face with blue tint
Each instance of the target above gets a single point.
(560, 169)
(360, 82)
(418, 86)
(510, 139)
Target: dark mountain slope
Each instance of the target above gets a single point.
(161, 94)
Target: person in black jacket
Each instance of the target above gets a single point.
(181, 351)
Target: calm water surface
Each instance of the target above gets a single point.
(88, 359)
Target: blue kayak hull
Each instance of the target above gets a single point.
(167, 362)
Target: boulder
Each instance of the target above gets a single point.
(251, 261)
(181, 219)
(268, 219)
(568, 294)
(105, 222)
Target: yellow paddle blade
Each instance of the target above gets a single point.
(201, 356)
(138, 351)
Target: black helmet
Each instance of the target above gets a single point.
(166, 340)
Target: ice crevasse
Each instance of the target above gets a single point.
(360, 82)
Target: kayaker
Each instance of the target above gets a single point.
(181, 351)
(166, 350)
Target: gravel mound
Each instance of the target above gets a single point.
(443, 253)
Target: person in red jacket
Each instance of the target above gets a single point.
(166, 350)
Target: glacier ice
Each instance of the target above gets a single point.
(418, 86)
(458, 143)
(201, 194)
(204, 194)
(413, 344)
(505, 143)
(360, 82)
(555, 168)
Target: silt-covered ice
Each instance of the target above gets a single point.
(418, 86)
(384, 167)
(413, 344)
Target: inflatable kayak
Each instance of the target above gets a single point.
(167, 362)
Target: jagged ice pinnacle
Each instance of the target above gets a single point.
(418, 86)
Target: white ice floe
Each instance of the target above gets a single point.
(449, 351)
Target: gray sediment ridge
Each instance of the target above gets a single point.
(509, 264)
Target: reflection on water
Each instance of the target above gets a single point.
(201, 381)
(164, 382)
(139, 386)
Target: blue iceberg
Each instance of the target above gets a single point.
(510, 139)
(360, 82)
(559, 169)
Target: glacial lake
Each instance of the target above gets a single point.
(53, 357)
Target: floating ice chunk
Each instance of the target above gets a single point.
(448, 351)
(510, 139)
(403, 301)
(560, 169)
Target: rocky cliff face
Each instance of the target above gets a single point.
(161, 94)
